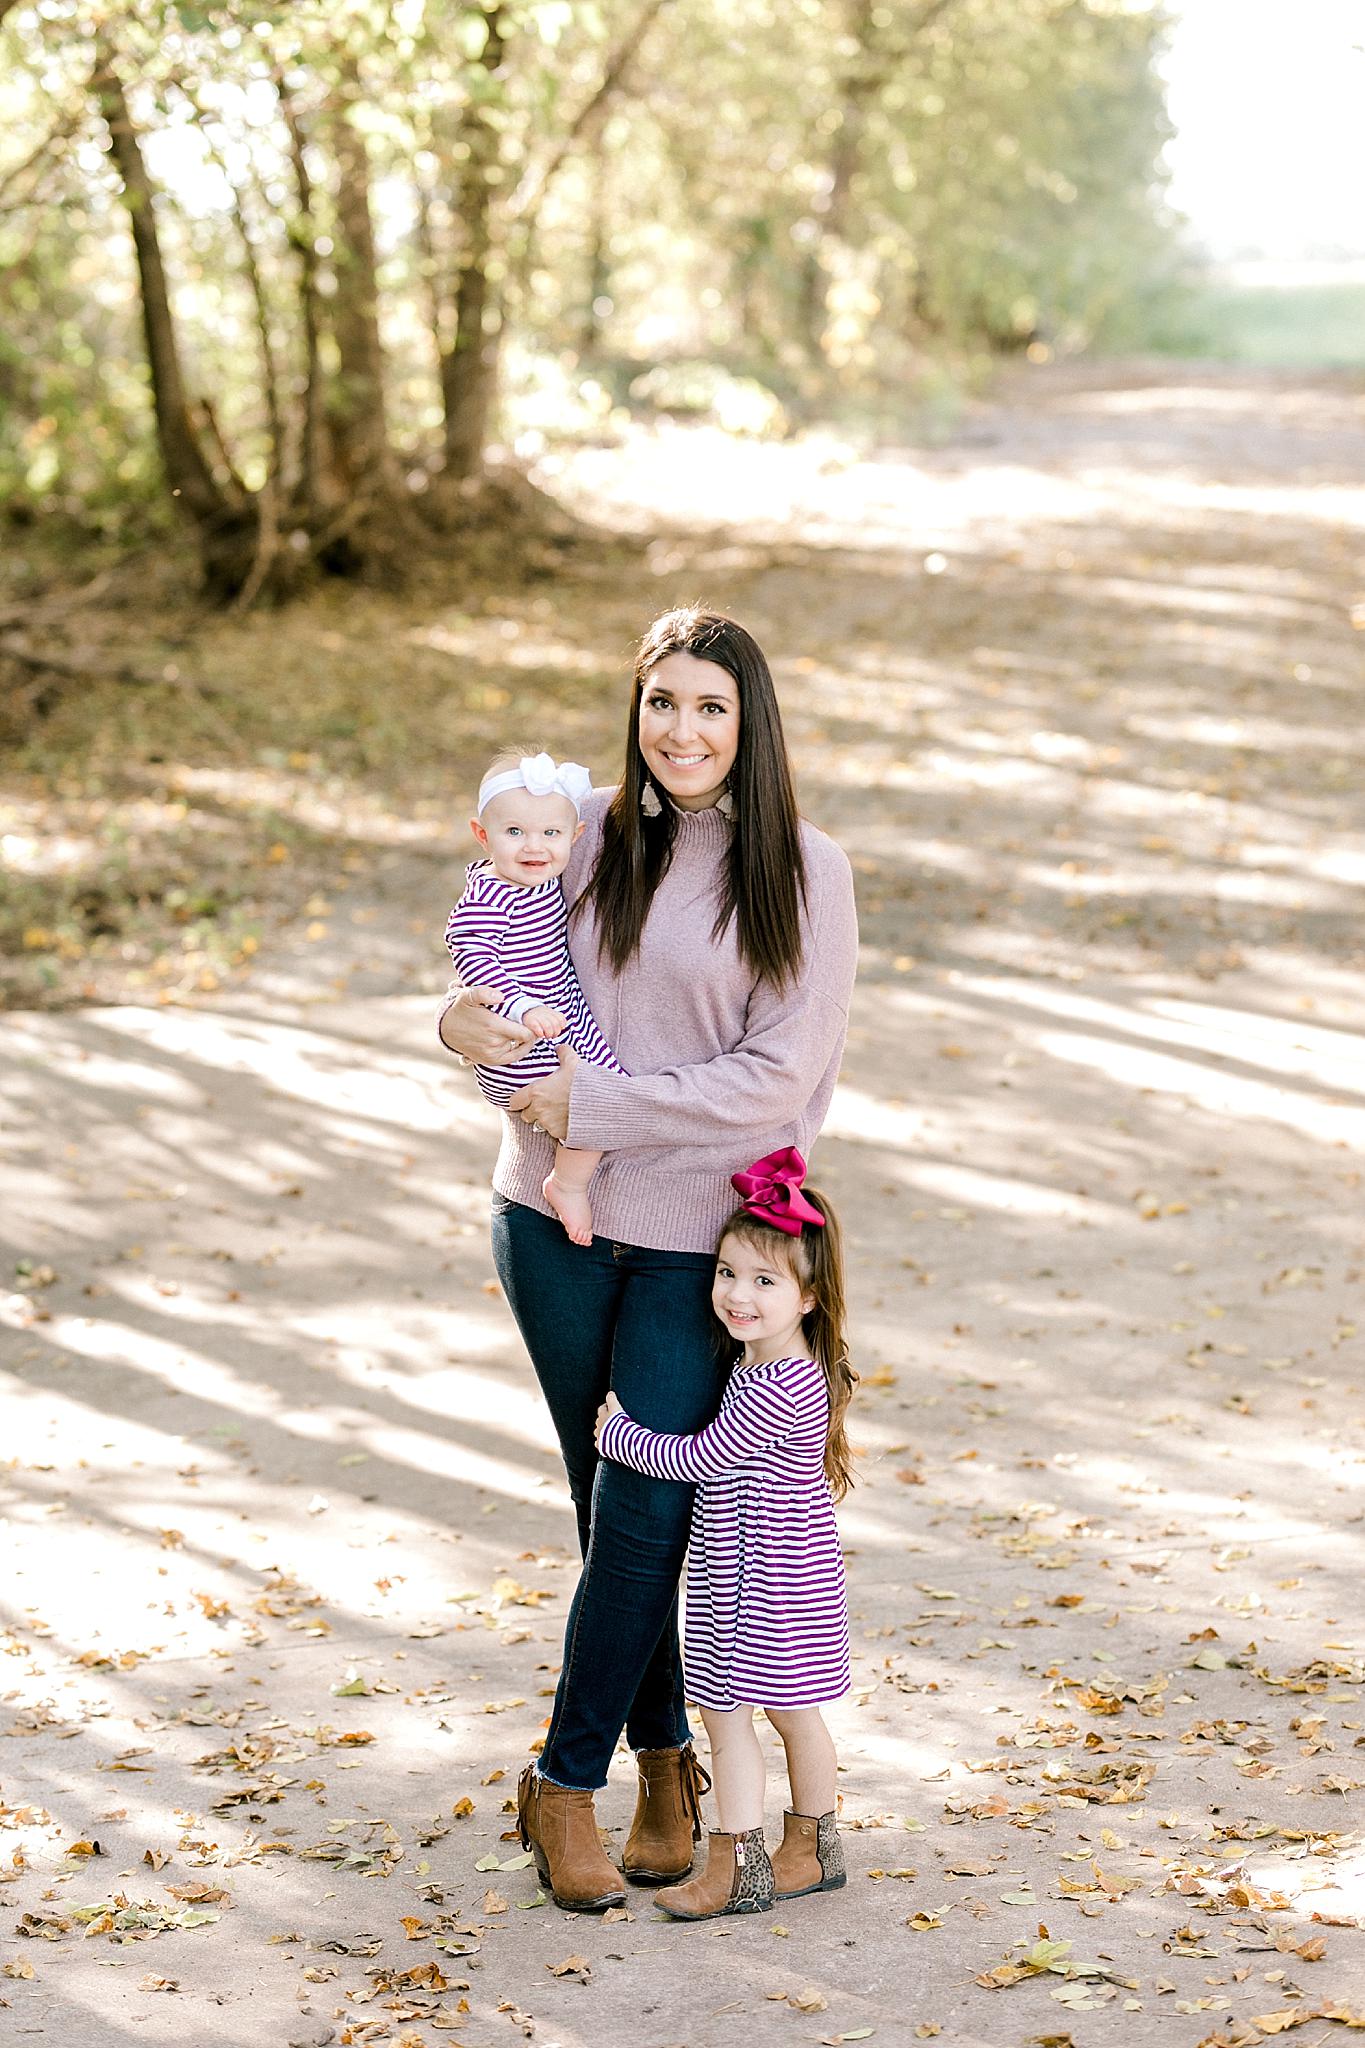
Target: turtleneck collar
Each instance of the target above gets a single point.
(701, 828)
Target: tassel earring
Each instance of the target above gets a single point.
(725, 802)
(649, 801)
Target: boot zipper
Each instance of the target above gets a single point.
(739, 1852)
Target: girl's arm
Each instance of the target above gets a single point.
(760, 1414)
(476, 936)
(789, 1040)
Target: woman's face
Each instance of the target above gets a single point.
(689, 728)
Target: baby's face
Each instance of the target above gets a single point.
(527, 837)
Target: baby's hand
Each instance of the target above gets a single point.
(545, 1022)
(611, 1406)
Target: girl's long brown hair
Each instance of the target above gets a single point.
(816, 1260)
(764, 881)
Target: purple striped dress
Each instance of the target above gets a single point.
(767, 1609)
(516, 940)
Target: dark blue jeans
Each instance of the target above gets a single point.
(598, 1316)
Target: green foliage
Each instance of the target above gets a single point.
(822, 196)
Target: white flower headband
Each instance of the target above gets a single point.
(539, 776)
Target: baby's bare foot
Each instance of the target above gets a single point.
(571, 1206)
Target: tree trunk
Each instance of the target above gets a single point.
(469, 367)
(597, 284)
(303, 236)
(221, 515)
(879, 45)
(355, 402)
(863, 80)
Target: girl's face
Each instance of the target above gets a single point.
(759, 1299)
(689, 728)
(527, 838)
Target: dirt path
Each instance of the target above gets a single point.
(289, 1551)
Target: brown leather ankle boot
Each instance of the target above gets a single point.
(738, 1878)
(559, 1827)
(811, 1858)
(667, 1816)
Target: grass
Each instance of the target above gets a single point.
(1291, 327)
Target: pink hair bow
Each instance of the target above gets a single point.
(771, 1188)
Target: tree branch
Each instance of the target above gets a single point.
(35, 156)
(255, 280)
(533, 187)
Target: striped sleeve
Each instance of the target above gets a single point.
(756, 1415)
(476, 935)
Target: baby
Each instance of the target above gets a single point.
(509, 931)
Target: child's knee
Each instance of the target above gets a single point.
(722, 1727)
(793, 1721)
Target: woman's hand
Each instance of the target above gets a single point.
(611, 1406)
(545, 1104)
(471, 1027)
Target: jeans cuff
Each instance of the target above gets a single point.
(560, 1786)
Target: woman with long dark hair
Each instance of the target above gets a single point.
(714, 935)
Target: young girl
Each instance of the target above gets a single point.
(509, 932)
(767, 1612)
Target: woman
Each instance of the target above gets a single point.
(714, 935)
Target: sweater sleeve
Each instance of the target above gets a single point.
(476, 934)
(790, 1037)
(758, 1414)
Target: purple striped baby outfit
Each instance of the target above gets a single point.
(516, 940)
(767, 1610)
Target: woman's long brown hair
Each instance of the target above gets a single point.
(815, 1260)
(765, 876)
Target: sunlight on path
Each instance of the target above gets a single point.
(290, 1552)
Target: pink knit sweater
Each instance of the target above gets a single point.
(719, 1069)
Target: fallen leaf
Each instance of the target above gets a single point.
(197, 1893)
